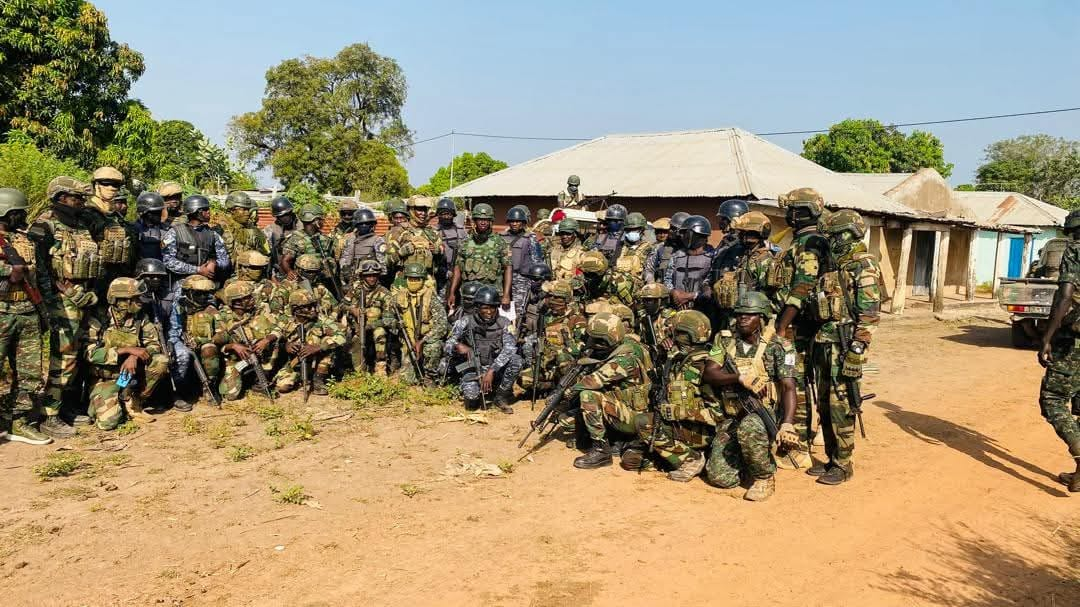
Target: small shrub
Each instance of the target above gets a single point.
(127, 428)
(269, 412)
(241, 453)
(59, 465)
(369, 391)
(293, 494)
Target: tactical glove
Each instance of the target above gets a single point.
(852, 365)
(81, 298)
(406, 249)
(754, 382)
(787, 437)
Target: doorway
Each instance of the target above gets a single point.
(924, 263)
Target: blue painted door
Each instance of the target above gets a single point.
(1016, 256)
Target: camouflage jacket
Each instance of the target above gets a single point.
(301, 243)
(64, 252)
(483, 262)
(327, 334)
(229, 326)
(338, 238)
(376, 304)
(279, 300)
(104, 339)
(13, 299)
(750, 274)
(796, 271)
(195, 325)
(633, 258)
(624, 375)
(773, 357)
(563, 337)
(267, 294)
(239, 238)
(415, 244)
(849, 298)
(423, 314)
(686, 396)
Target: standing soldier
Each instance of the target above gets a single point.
(240, 231)
(608, 241)
(689, 272)
(244, 336)
(571, 197)
(362, 244)
(484, 340)
(345, 226)
(564, 256)
(172, 193)
(416, 313)
(630, 255)
(483, 259)
(657, 266)
(793, 276)
(126, 356)
(149, 231)
(367, 297)
(849, 306)
(278, 232)
(193, 247)
(321, 338)
(417, 243)
(308, 240)
(191, 333)
(254, 267)
(615, 392)
(22, 319)
(524, 252)
(398, 216)
(763, 365)
(68, 256)
(1059, 354)
(452, 236)
(729, 211)
(115, 243)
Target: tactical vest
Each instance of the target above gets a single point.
(663, 262)
(115, 244)
(193, 246)
(564, 262)
(452, 237)
(363, 248)
(247, 238)
(632, 260)
(633, 391)
(75, 255)
(607, 243)
(486, 340)
(200, 325)
(421, 241)
(726, 290)
(682, 391)
(149, 241)
(691, 272)
(830, 298)
(752, 360)
(118, 337)
(22, 244)
(276, 236)
(419, 304)
(519, 249)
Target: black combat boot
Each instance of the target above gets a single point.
(597, 457)
(836, 475)
(318, 385)
(503, 400)
(56, 428)
(819, 468)
(472, 404)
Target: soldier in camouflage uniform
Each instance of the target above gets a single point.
(236, 326)
(593, 280)
(239, 229)
(191, 333)
(21, 322)
(172, 194)
(563, 335)
(571, 197)
(116, 244)
(793, 277)
(70, 266)
(849, 307)
(416, 311)
(564, 256)
(486, 335)
(1059, 354)
(657, 265)
(126, 356)
(483, 258)
(362, 244)
(307, 241)
(764, 365)
(368, 297)
(608, 239)
(308, 271)
(345, 226)
(418, 242)
(252, 266)
(278, 232)
(322, 338)
(615, 391)
(631, 256)
(744, 271)
(654, 319)
(398, 214)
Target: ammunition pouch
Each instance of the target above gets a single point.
(115, 245)
(726, 290)
(829, 298)
(76, 257)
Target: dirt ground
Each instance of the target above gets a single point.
(954, 502)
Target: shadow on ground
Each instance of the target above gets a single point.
(983, 336)
(978, 446)
(977, 571)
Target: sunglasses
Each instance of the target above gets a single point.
(110, 184)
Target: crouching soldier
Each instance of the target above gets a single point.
(308, 276)
(417, 314)
(254, 267)
(309, 340)
(366, 301)
(751, 362)
(551, 354)
(191, 334)
(126, 357)
(484, 340)
(245, 338)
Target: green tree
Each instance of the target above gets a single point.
(867, 146)
(467, 167)
(24, 167)
(63, 80)
(1041, 166)
(333, 123)
(131, 150)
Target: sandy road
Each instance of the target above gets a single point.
(953, 503)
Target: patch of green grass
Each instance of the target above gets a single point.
(59, 465)
(303, 429)
(269, 412)
(191, 425)
(369, 391)
(241, 453)
(274, 429)
(294, 494)
(127, 428)
(439, 396)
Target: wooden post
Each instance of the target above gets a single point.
(942, 265)
(900, 293)
(1025, 259)
(934, 266)
(973, 241)
(1001, 258)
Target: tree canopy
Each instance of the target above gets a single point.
(333, 123)
(63, 80)
(1041, 166)
(467, 166)
(867, 146)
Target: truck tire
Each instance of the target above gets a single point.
(1020, 337)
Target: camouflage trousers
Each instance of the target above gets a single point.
(601, 410)
(740, 444)
(66, 332)
(184, 372)
(673, 441)
(107, 399)
(374, 349)
(837, 418)
(288, 377)
(803, 404)
(233, 381)
(20, 344)
(1059, 391)
(430, 354)
(504, 380)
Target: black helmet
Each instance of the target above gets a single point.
(732, 208)
(538, 271)
(150, 267)
(517, 214)
(469, 289)
(149, 202)
(677, 220)
(445, 204)
(487, 296)
(280, 206)
(615, 212)
(195, 203)
(363, 216)
(697, 225)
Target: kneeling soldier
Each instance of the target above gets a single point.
(417, 314)
(488, 346)
(191, 333)
(127, 358)
(309, 340)
(245, 338)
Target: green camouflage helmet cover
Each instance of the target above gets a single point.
(1072, 220)
(483, 211)
(309, 262)
(606, 327)
(559, 289)
(125, 288)
(654, 290)
(12, 200)
(301, 297)
(753, 302)
(568, 225)
(396, 206)
(573, 180)
(415, 270)
(197, 282)
(803, 197)
(844, 220)
(239, 200)
(693, 324)
(635, 221)
(237, 290)
(252, 259)
(310, 212)
(67, 185)
(593, 262)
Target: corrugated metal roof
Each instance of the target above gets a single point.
(1012, 208)
(712, 163)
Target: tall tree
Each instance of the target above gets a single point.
(466, 167)
(1041, 166)
(867, 146)
(63, 80)
(334, 123)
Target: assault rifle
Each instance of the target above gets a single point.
(559, 393)
(200, 370)
(752, 405)
(328, 267)
(9, 254)
(409, 341)
(470, 369)
(305, 373)
(657, 395)
(361, 321)
(846, 332)
(159, 328)
(252, 360)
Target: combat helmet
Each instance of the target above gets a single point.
(538, 271)
(12, 200)
(252, 259)
(802, 201)
(238, 289)
(568, 225)
(198, 282)
(308, 262)
(149, 202)
(754, 221)
(606, 328)
(66, 185)
(844, 220)
(732, 208)
(516, 213)
(593, 262)
(419, 202)
(396, 207)
(483, 211)
(281, 206)
(150, 266)
(170, 188)
(487, 296)
(559, 289)
(415, 270)
(300, 298)
(310, 212)
(635, 221)
(654, 290)
(364, 216)
(573, 180)
(239, 200)
(693, 324)
(753, 302)
(347, 205)
(369, 267)
(469, 289)
(615, 212)
(124, 288)
(195, 203)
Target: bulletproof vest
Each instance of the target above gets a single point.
(115, 243)
(519, 249)
(193, 246)
(363, 247)
(487, 340)
(200, 325)
(115, 336)
(663, 261)
(452, 236)
(247, 238)
(834, 291)
(632, 260)
(75, 255)
(564, 262)
(691, 272)
(149, 242)
(277, 236)
(25, 248)
(746, 360)
(607, 243)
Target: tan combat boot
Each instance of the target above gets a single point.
(135, 410)
(690, 468)
(380, 368)
(761, 490)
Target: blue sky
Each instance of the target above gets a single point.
(584, 69)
